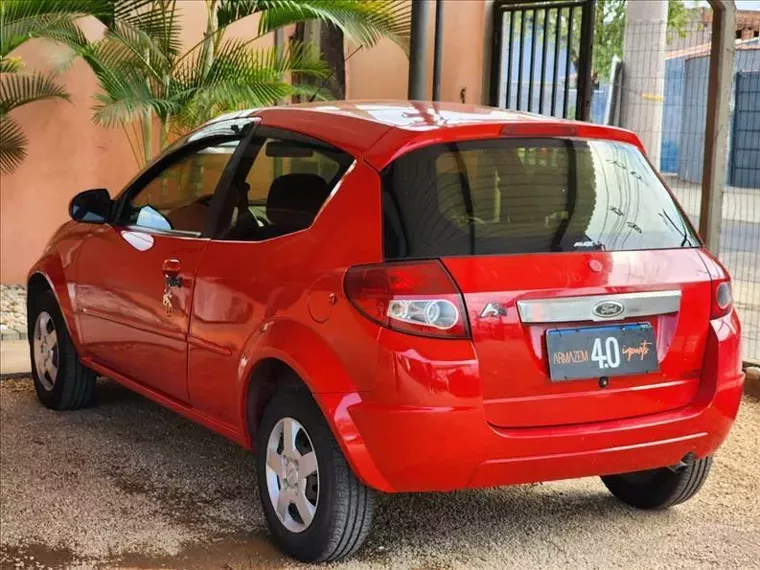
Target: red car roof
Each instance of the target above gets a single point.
(379, 131)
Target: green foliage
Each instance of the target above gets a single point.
(609, 27)
(145, 76)
(21, 21)
(363, 21)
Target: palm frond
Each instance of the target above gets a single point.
(230, 11)
(23, 20)
(134, 62)
(125, 96)
(17, 89)
(363, 21)
(12, 144)
(137, 13)
(128, 45)
(241, 77)
(57, 27)
(11, 64)
(20, 9)
(167, 31)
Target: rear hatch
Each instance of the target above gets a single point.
(585, 291)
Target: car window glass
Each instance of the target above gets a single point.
(527, 196)
(283, 191)
(178, 198)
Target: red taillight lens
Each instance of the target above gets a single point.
(416, 297)
(722, 298)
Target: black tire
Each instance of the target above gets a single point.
(74, 385)
(344, 507)
(659, 488)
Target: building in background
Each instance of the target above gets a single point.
(68, 153)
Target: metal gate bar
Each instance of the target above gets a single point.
(545, 50)
(523, 17)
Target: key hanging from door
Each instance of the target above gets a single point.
(167, 300)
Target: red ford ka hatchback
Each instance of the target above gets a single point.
(401, 297)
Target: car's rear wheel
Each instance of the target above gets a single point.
(316, 508)
(659, 488)
(61, 382)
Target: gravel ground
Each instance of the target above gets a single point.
(128, 484)
(12, 308)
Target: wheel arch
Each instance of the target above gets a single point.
(48, 275)
(268, 375)
(290, 354)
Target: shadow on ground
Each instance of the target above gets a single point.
(127, 483)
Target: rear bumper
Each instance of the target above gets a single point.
(418, 448)
(442, 450)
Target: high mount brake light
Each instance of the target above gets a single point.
(418, 298)
(539, 129)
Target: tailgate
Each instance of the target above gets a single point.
(512, 302)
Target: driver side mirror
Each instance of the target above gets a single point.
(91, 206)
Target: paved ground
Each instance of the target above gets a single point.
(14, 357)
(739, 204)
(129, 484)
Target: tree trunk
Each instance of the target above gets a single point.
(147, 128)
(210, 36)
(330, 43)
(297, 78)
(331, 46)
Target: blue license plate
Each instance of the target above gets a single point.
(593, 352)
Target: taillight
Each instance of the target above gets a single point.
(414, 297)
(722, 298)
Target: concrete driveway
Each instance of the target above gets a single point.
(129, 484)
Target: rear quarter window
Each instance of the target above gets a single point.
(512, 196)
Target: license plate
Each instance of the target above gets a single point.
(593, 352)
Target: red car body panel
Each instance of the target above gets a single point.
(410, 413)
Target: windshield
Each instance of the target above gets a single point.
(508, 196)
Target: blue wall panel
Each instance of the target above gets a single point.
(744, 165)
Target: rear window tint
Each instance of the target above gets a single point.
(509, 196)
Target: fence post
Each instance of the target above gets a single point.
(585, 83)
(418, 50)
(644, 41)
(722, 53)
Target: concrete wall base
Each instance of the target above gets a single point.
(752, 381)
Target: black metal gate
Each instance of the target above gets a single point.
(540, 47)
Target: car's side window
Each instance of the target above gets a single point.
(283, 190)
(179, 196)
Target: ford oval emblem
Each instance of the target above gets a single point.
(608, 309)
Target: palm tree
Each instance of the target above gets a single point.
(146, 79)
(20, 21)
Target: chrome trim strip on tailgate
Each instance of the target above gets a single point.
(569, 309)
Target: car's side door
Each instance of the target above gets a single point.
(253, 266)
(135, 276)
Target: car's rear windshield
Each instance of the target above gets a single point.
(511, 196)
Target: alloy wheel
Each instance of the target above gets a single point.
(292, 474)
(46, 353)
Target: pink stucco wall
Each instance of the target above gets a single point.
(67, 153)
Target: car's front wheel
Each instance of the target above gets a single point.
(60, 379)
(659, 488)
(316, 508)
